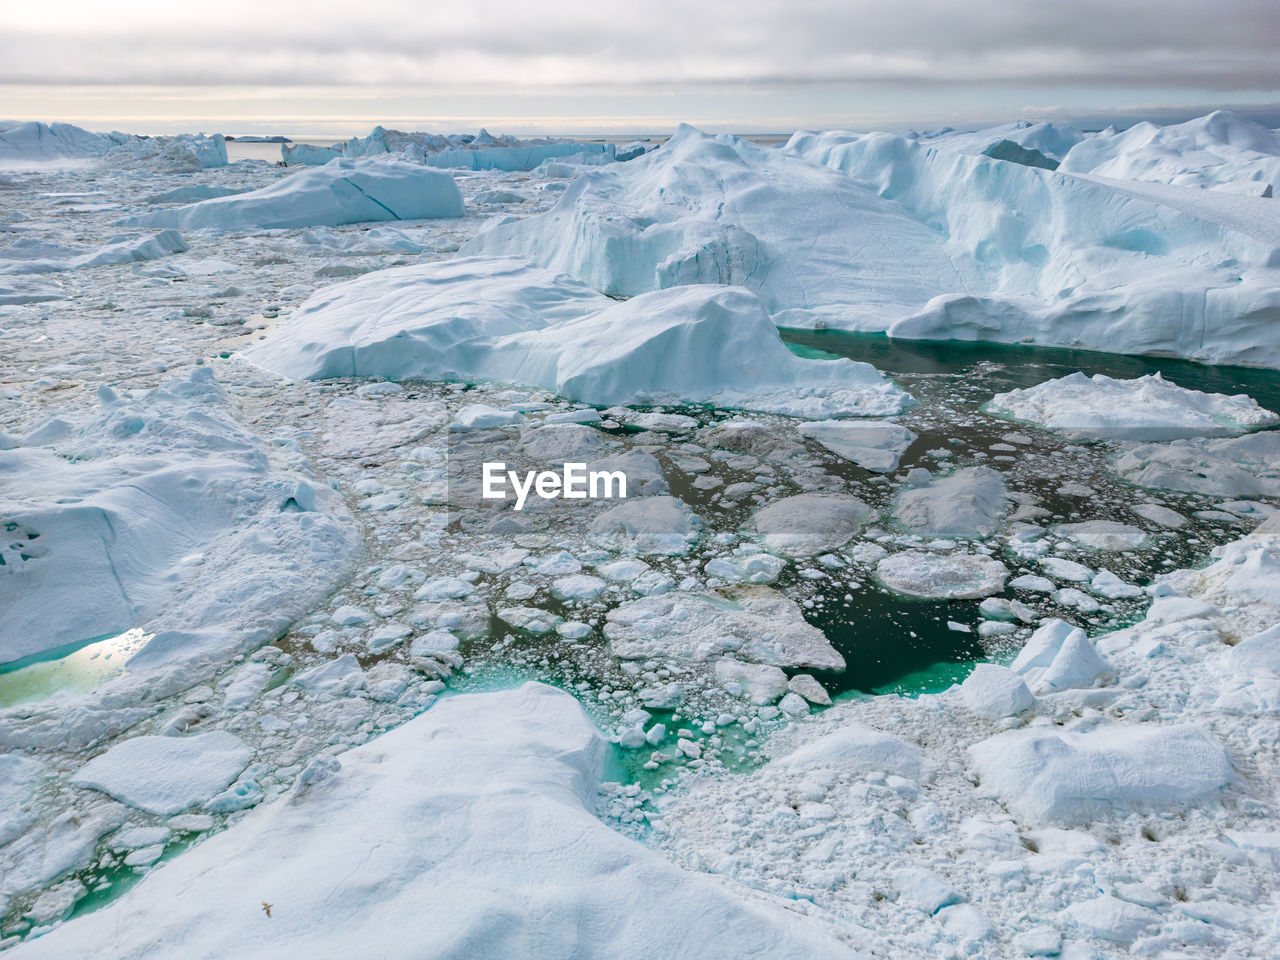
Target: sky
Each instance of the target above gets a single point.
(601, 66)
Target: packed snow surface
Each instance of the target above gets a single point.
(505, 319)
(341, 191)
(477, 820)
(1148, 408)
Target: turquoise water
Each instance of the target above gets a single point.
(77, 667)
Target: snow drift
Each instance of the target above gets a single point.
(342, 191)
(476, 819)
(504, 319)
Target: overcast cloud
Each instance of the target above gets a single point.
(1222, 47)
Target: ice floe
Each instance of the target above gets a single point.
(749, 622)
(1149, 408)
(955, 576)
(969, 503)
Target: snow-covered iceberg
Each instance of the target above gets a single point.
(477, 820)
(342, 191)
(1148, 408)
(1219, 151)
(1060, 260)
(23, 257)
(505, 319)
(43, 142)
(160, 512)
(921, 242)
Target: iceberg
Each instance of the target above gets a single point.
(160, 512)
(1149, 408)
(919, 242)
(342, 191)
(22, 258)
(481, 318)
(477, 819)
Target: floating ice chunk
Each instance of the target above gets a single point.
(623, 570)
(578, 587)
(246, 683)
(1107, 584)
(752, 623)
(1148, 408)
(1062, 569)
(477, 817)
(333, 678)
(650, 525)
(968, 503)
(959, 576)
(437, 641)
(342, 191)
(349, 615)
(759, 682)
(1103, 535)
(557, 443)
(1156, 513)
(753, 568)
(529, 619)
(810, 523)
(858, 750)
(808, 687)
(387, 636)
(1111, 770)
(872, 445)
(994, 692)
(482, 416)
(1059, 656)
(1076, 600)
(166, 775)
(1247, 466)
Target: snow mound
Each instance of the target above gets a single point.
(1247, 466)
(342, 191)
(872, 445)
(960, 576)
(969, 503)
(475, 818)
(1217, 151)
(159, 512)
(1045, 776)
(751, 622)
(166, 775)
(1148, 408)
(504, 319)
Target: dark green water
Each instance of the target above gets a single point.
(1025, 366)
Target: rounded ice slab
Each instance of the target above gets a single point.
(166, 775)
(750, 622)
(1149, 408)
(484, 318)
(1046, 776)
(873, 445)
(810, 523)
(342, 191)
(477, 820)
(960, 576)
